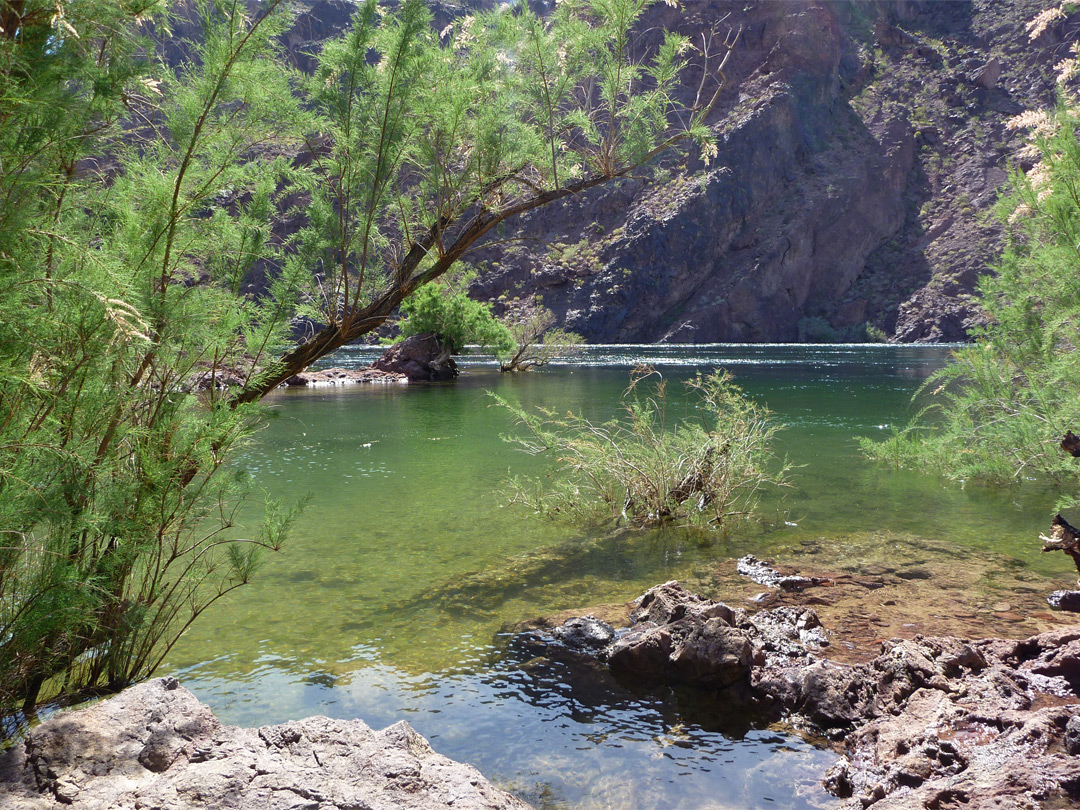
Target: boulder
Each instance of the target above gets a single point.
(421, 358)
(156, 746)
(713, 654)
(682, 637)
(986, 76)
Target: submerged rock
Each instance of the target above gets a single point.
(764, 574)
(156, 746)
(584, 632)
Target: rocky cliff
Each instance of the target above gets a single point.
(861, 147)
(862, 144)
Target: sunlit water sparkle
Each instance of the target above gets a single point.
(389, 599)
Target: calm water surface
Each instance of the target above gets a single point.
(389, 600)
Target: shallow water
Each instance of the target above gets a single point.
(390, 597)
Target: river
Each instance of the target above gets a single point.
(392, 595)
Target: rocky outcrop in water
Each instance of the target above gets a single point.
(420, 358)
(926, 723)
(764, 574)
(156, 746)
(343, 376)
(1065, 600)
(680, 637)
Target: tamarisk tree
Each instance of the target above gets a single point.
(137, 199)
(1005, 407)
(425, 148)
(119, 278)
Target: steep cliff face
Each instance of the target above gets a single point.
(861, 145)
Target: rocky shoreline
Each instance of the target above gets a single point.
(929, 722)
(155, 746)
(925, 722)
(343, 376)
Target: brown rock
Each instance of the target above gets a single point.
(930, 722)
(421, 358)
(712, 654)
(987, 75)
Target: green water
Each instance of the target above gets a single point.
(389, 599)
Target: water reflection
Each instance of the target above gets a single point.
(397, 579)
(553, 734)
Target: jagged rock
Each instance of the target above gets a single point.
(987, 75)
(1065, 600)
(929, 722)
(584, 632)
(711, 654)
(764, 574)
(670, 602)
(156, 746)
(1072, 735)
(681, 637)
(421, 358)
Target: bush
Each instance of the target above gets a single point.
(644, 472)
(815, 329)
(443, 308)
(537, 341)
(998, 411)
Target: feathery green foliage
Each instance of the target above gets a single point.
(644, 471)
(999, 410)
(119, 274)
(426, 140)
(134, 208)
(443, 308)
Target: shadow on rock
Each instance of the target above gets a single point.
(568, 666)
(929, 722)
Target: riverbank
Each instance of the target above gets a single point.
(926, 722)
(156, 746)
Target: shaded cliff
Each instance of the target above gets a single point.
(861, 146)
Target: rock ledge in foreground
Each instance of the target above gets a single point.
(156, 746)
(930, 723)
